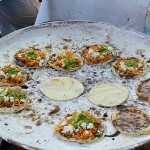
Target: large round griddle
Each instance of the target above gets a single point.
(33, 127)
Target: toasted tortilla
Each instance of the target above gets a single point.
(15, 109)
(62, 88)
(22, 64)
(126, 76)
(108, 94)
(133, 116)
(51, 64)
(87, 141)
(145, 92)
(102, 62)
(9, 83)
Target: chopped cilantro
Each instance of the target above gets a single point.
(12, 71)
(69, 62)
(77, 121)
(102, 50)
(17, 94)
(1, 99)
(131, 63)
(32, 54)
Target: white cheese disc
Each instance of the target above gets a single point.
(108, 94)
(62, 88)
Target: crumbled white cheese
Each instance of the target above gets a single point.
(91, 51)
(83, 125)
(101, 56)
(110, 48)
(2, 73)
(39, 58)
(95, 54)
(6, 98)
(63, 64)
(41, 62)
(23, 100)
(19, 73)
(11, 99)
(90, 125)
(5, 91)
(123, 66)
(69, 117)
(76, 130)
(19, 55)
(70, 128)
(140, 65)
(12, 75)
(86, 131)
(63, 123)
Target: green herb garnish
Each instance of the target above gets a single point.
(1, 99)
(131, 63)
(77, 121)
(102, 50)
(69, 62)
(12, 71)
(17, 94)
(32, 54)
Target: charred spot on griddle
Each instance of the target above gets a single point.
(53, 55)
(19, 63)
(31, 93)
(24, 86)
(129, 76)
(67, 40)
(65, 47)
(38, 82)
(148, 61)
(49, 46)
(95, 73)
(124, 82)
(105, 115)
(114, 134)
(40, 100)
(54, 111)
(28, 127)
(120, 107)
(29, 77)
(97, 112)
(142, 55)
(38, 122)
(92, 108)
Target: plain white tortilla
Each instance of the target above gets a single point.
(62, 88)
(108, 94)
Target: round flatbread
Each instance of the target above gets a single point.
(131, 121)
(66, 61)
(12, 75)
(143, 90)
(31, 57)
(129, 67)
(99, 54)
(12, 99)
(62, 88)
(108, 94)
(81, 127)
